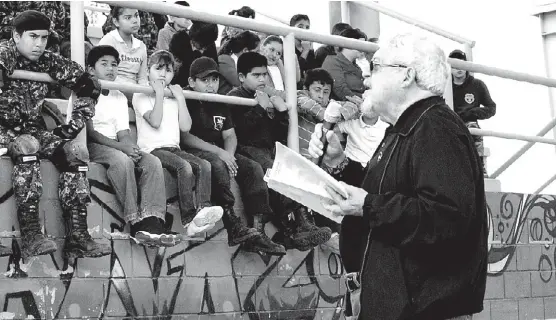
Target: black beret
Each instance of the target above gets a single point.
(31, 20)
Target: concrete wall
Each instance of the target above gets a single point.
(209, 280)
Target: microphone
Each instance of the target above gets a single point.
(332, 115)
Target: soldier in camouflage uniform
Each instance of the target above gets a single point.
(24, 133)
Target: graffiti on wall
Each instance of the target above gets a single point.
(208, 277)
(290, 287)
(520, 219)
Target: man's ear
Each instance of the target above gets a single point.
(241, 77)
(16, 36)
(191, 82)
(91, 70)
(410, 77)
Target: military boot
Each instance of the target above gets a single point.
(237, 232)
(34, 242)
(263, 243)
(5, 251)
(300, 232)
(79, 243)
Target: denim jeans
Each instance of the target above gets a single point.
(280, 204)
(193, 176)
(254, 190)
(140, 195)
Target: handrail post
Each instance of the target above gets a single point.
(344, 9)
(291, 91)
(449, 92)
(77, 38)
(523, 149)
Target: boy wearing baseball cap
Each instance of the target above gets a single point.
(212, 137)
(472, 101)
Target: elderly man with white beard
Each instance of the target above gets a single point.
(422, 250)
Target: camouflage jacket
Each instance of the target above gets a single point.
(21, 101)
(56, 11)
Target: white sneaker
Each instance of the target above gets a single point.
(204, 220)
(333, 244)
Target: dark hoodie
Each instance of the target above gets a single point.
(468, 98)
(470, 95)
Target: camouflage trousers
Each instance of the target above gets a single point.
(73, 187)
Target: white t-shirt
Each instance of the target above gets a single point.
(363, 139)
(167, 135)
(276, 76)
(111, 115)
(133, 61)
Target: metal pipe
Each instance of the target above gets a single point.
(301, 34)
(247, 24)
(97, 9)
(448, 91)
(272, 17)
(344, 9)
(523, 149)
(135, 88)
(512, 136)
(501, 73)
(290, 59)
(77, 38)
(546, 184)
(412, 21)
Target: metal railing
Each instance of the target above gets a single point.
(290, 35)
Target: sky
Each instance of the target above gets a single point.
(509, 40)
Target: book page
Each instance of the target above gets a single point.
(303, 181)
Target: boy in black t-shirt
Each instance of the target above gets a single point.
(258, 129)
(212, 137)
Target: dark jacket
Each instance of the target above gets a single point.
(425, 255)
(468, 98)
(323, 52)
(255, 127)
(348, 77)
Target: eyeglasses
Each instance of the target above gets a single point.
(374, 64)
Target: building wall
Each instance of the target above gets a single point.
(206, 279)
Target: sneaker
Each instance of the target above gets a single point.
(205, 219)
(333, 244)
(150, 232)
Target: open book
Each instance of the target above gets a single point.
(303, 181)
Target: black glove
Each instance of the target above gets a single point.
(66, 131)
(87, 86)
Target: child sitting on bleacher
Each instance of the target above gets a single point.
(258, 129)
(160, 120)
(111, 145)
(213, 138)
(133, 52)
(313, 100)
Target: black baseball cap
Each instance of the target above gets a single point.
(458, 54)
(203, 67)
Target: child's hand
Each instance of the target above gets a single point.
(279, 103)
(131, 151)
(176, 91)
(263, 99)
(306, 45)
(349, 110)
(158, 86)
